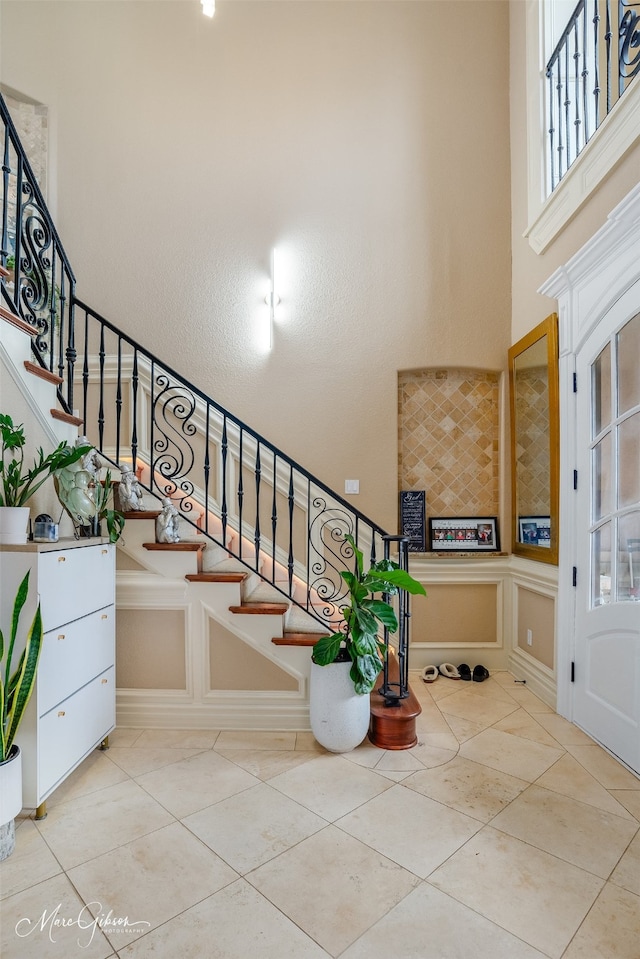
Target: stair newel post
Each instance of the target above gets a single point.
(385, 688)
(403, 620)
(403, 631)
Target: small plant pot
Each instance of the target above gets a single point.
(13, 524)
(10, 800)
(339, 717)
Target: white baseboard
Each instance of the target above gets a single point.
(539, 679)
(222, 715)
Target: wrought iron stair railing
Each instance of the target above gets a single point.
(251, 500)
(595, 60)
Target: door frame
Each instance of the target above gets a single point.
(586, 288)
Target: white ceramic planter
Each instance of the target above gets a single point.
(13, 524)
(10, 800)
(339, 717)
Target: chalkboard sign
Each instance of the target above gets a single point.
(412, 519)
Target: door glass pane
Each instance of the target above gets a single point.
(601, 565)
(629, 558)
(601, 478)
(601, 390)
(629, 462)
(629, 365)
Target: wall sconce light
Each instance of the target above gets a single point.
(208, 7)
(272, 299)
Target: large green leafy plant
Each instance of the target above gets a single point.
(16, 687)
(363, 616)
(19, 482)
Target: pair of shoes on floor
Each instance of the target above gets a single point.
(479, 674)
(431, 673)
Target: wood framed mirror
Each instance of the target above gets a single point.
(533, 395)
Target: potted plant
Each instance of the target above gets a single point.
(10, 265)
(18, 482)
(114, 518)
(355, 653)
(15, 691)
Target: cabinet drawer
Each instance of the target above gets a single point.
(74, 582)
(69, 731)
(73, 654)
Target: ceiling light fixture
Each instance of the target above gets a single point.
(208, 7)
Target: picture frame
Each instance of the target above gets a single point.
(464, 534)
(534, 531)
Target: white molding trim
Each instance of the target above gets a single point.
(586, 287)
(539, 679)
(139, 714)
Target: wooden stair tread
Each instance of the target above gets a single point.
(4, 271)
(181, 547)
(17, 321)
(42, 373)
(256, 609)
(297, 639)
(393, 727)
(228, 577)
(141, 513)
(66, 417)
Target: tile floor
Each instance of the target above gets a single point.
(504, 834)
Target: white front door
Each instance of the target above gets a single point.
(606, 689)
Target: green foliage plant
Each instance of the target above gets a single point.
(18, 482)
(363, 615)
(114, 518)
(16, 687)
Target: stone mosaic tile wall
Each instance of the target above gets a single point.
(448, 422)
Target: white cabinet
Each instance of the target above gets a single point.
(73, 705)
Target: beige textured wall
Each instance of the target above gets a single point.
(184, 149)
(455, 613)
(530, 270)
(537, 613)
(234, 665)
(150, 649)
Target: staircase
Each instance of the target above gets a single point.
(262, 542)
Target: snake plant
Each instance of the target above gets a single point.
(16, 687)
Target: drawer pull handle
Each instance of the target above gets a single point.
(61, 636)
(61, 712)
(104, 616)
(62, 559)
(104, 682)
(104, 552)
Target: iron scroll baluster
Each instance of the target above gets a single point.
(182, 442)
